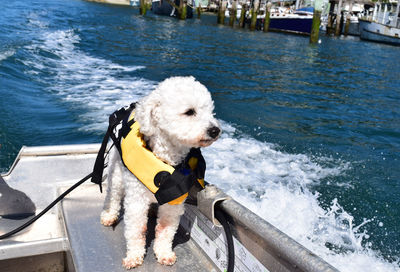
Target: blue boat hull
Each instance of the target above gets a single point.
(164, 8)
(293, 25)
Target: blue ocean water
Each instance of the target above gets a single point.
(311, 132)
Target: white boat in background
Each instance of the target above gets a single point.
(282, 19)
(163, 7)
(298, 21)
(384, 24)
(229, 7)
(134, 3)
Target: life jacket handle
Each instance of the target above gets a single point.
(113, 121)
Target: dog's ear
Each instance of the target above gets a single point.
(146, 113)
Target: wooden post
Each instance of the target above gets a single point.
(182, 10)
(267, 16)
(338, 18)
(316, 22)
(143, 7)
(242, 16)
(198, 9)
(329, 27)
(347, 25)
(196, 4)
(233, 12)
(254, 13)
(221, 12)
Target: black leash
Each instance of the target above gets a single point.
(219, 214)
(222, 217)
(52, 204)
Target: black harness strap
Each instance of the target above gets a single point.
(200, 169)
(182, 179)
(97, 175)
(174, 186)
(113, 121)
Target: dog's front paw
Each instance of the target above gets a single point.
(130, 262)
(166, 258)
(108, 218)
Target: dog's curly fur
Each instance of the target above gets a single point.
(175, 117)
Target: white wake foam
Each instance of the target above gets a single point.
(94, 85)
(276, 186)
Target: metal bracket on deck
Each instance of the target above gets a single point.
(207, 199)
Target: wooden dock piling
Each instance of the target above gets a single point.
(254, 13)
(316, 22)
(338, 18)
(198, 9)
(232, 13)
(267, 16)
(143, 7)
(182, 11)
(329, 27)
(347, 25)
(221, 12)
(242, 16)
(182, 8)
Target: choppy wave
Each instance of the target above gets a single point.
(36, 19)
(6, 54)
(273, 184)
(276, 186)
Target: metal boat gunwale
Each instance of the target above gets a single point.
(51, 150)
(382, 34)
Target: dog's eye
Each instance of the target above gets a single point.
(190, 112)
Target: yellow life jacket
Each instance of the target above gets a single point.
(169, 184)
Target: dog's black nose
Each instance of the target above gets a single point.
(213, 132)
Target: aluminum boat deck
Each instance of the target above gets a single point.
(70, 237)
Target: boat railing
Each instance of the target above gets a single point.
(273, 248)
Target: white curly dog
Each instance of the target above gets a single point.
(175, 117)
